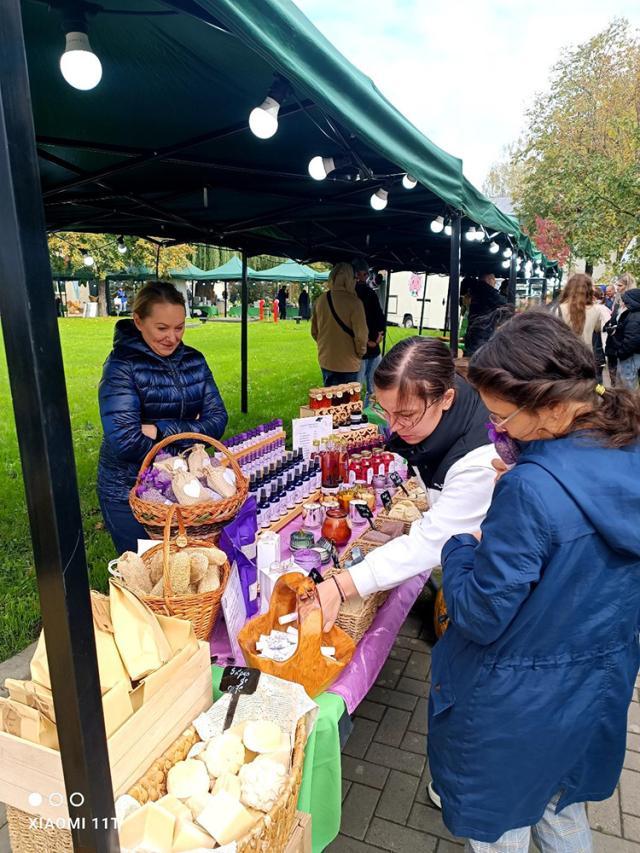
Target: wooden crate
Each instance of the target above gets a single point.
(300, 841)
(27, 768)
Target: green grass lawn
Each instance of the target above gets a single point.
(282, 366)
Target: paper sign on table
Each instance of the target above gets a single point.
(308, 430)
(234, 610)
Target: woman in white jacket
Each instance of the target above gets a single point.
(439, 424)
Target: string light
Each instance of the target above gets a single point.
(79, 65)
(437, 225)
(379, 199)
(122, 248)
(507, 253)
(494, 248)
(408, 182)
(263, 120)
(448, 229)
(470, 235)
(87, 258)
(506, 264)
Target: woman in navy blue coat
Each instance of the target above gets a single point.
(152, 386)
(532, 681)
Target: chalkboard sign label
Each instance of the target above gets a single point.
(239, 679)
(396, 479)
(385, 497)
(365, 512)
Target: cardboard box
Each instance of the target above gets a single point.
(27, 768)
(300, 841)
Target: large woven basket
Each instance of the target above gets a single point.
(355, 617)
(203, 519)
(269, 835)
(201, 609)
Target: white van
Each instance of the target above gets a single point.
(405, 300)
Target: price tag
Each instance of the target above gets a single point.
(315, 576)
(396, 479)
(239, 679)
(385, 497)
(335, 557)
(365, 512)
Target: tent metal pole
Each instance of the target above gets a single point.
(36, 374)
(386, 311)
(454, 283)
(424, 299)
(513, 271)
(244, 378)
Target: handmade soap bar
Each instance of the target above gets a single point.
(187, 836)
(188, 779)
(150, 828)
(225, 818)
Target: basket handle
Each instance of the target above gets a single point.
(195, 436)
(308, 607)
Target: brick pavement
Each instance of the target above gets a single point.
(385, 803)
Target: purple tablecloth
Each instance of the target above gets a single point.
(372, 650)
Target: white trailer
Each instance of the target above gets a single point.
(406, 297)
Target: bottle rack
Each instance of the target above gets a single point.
(281, 523)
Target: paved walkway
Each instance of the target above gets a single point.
(384, 772)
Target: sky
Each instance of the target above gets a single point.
(463, 71)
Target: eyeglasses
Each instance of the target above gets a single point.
(407, 422)
(499, 423)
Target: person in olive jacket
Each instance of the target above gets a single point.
(152, 386)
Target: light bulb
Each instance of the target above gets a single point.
(448, 230)
(470, 234)
(87, 259)
(319, 167)
(79, 65)
(379, 199)
(506, 264)
(408, 182)
(480, 235)
(494, 248)
(263, 120)
(507, 253)
(122, 248)
(437, 225)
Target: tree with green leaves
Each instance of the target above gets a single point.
(580, 154)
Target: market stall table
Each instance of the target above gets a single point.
(321, 792)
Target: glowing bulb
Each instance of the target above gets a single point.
(263, 120)
(480, 235)
(437, 224)
(122, 246)
(507, 253)
(494, 248)
(87, 259)
(448, 230)
(408, 182)
(379, 199)
(471, 234)
(319, 167)
(506, 264)
(79, 65)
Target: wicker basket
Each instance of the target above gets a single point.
(355, 617)
(201, 609)
(204, 520)
(271, 833)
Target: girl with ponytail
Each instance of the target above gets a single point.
(532, 681)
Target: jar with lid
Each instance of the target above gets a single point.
(336, 526)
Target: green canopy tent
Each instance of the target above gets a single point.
(287, 271)
(188, 273)
(161, 148)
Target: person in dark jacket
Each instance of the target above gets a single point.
(282, 302)
(484, 300)
(376, 325)
(532, 681)
(626, 340)
(152, 386)
(303, 304)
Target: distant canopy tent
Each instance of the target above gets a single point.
(134, 273)
(288, 271)
(188, 273)
(229, 271)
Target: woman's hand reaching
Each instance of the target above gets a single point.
(330, 599)
(500, 468)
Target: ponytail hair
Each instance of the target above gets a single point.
(417, 367)
(535, 360)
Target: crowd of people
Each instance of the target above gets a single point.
(540, 548)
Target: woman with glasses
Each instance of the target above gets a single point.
(439, 425)
(532, 681)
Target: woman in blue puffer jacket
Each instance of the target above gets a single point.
(152, 386)
(532, 681)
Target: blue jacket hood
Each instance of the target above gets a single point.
(603, 481)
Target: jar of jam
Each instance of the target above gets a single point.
(315, 398)
(378, 462)
(367, 462)
(355, 468)
(336, 526)
(356, 391)
(338, 394)
(388, 459)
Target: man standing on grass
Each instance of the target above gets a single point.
(376, 325)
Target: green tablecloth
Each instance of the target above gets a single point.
(321, 790)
